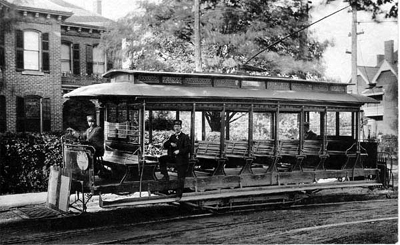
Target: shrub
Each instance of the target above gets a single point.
(388, 143)
(25, 159)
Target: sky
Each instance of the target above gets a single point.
(335, 28)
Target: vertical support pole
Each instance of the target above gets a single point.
(307, 116)
(197, 42)
(150, 126)
(222, 133)
(99, 114)
(142, 131)
(272, 126)
(337, 124)
(203, 125)
(353, 122)
(192, 130)
(358, 130)
(276, 130)
(324, 129)
(192, 162)
(177, 115)
(250, 132)
(354, 45)
(228, 126)
(301, 136)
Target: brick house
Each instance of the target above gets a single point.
(51, 48)
(381, 83)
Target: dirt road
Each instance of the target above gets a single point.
(372, 221)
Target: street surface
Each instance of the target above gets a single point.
(369, 222)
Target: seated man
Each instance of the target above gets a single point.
(178, 146)
(308, 133)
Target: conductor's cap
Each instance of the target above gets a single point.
(178, 122)
(90, 118)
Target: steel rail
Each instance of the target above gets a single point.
(54, 235)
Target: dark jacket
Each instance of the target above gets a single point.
(310, 135)
(183, 145)
(95, 137)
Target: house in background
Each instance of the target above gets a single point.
(51, 48)
(381, 83)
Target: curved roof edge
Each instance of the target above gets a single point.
(128, 89)
(226, 75)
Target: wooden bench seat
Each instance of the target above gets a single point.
(207, 150)
(131, 162)
(239, 150)
(314, 148)
(289, 151)
(210, 150)
(236, 149)
(264, 148)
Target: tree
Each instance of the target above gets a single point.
(378, 8)
(231, 31)
(161, 38)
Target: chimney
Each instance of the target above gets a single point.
(379, 59)
(389, 50)
(97, 7)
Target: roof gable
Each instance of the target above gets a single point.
(82, 16)
(45, 6)
(384, 67)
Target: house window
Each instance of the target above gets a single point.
(96, 60)
(65, 58)
(32, 51)
(70, 58)
(30, 111)
(3, 124)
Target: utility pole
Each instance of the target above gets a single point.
(197, 41)
(304, 8)
(354, 46)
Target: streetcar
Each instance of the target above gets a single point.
(268, 160)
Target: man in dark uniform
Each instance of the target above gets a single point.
(178, 146)
(93, 136)
(308, 133)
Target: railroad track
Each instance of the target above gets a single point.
(280, 224)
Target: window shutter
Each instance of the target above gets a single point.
(19, 48)
(89, 59)
(76, 66)
(20, 114)
(45, 53)
(110, 65)
(46, 114)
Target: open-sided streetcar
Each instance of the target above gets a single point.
(268, 161)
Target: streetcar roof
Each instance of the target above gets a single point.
(129, 89)
(116, 72)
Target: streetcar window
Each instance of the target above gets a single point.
(345, 123)
(262, 126)
(288, 126)
(314, 118)
(238, 126)
(331, 123)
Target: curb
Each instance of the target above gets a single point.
(19, 200)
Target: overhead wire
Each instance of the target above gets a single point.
(291, 34)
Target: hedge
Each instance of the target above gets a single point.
(25, 159)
